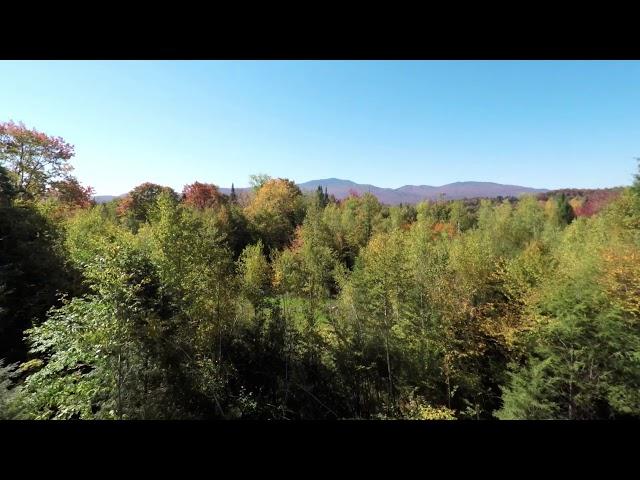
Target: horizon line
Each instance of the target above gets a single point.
(389, 188)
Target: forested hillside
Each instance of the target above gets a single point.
(281, 305)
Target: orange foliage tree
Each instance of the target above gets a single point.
(70, 192)
(201, 195)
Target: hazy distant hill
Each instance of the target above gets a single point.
(417, 193)
(104, 198)
(407, 194)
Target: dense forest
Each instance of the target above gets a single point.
(281, 305)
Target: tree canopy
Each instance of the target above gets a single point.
(35, 158)
(294, 305)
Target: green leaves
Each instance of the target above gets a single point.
(292, 307)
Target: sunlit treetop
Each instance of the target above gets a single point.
(35, 158)
(201, 195)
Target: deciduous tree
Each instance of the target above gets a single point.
(201, 195)
(35, 158)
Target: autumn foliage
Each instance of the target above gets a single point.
(585, 202)
(36, 158)
(274, 211)
(71, 192)
(201, 195)
(444, 228)
(139, 202)
(292, 307)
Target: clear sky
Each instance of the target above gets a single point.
(388, 123)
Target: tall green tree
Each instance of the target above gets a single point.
(565, 209)
(97, 355)
(233, 197)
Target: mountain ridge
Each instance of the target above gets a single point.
(416, 193)
(409, 194)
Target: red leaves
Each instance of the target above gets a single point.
(72, 193)
(201, 195)
(35, 158)
(124, 205)
(595, 202)
(585, 202)
(15, 135)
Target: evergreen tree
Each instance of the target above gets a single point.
(233, 196)
(321, 199)
(7, 188)
(565, 210)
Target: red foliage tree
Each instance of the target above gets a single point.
(71, 193)
(125, 205)
(596, 201)
(201, 195)
(36, 159)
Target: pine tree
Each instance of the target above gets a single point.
(565, 210)
(233, 196)
(320, 197)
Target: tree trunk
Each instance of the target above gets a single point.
(389, 370)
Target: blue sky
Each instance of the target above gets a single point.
(388, 123)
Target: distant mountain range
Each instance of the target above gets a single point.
(406, 194)
(104, 198)
(417, 193)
